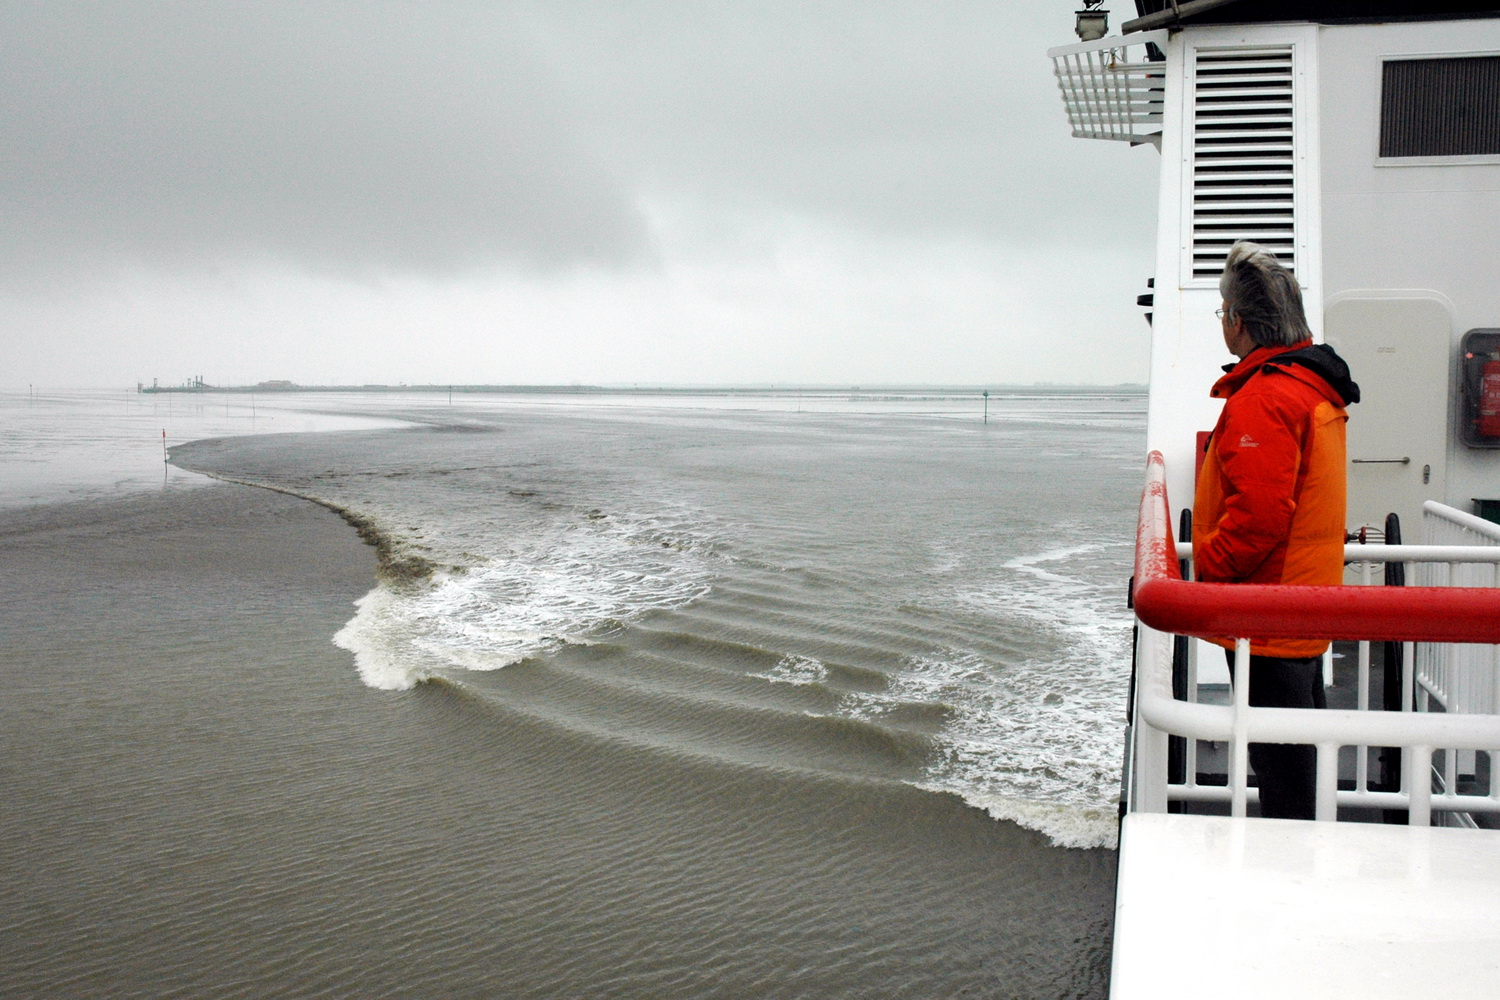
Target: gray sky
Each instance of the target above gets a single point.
(436, 191)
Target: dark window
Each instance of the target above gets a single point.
(1440, 107)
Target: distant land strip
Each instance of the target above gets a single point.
(1045, 388)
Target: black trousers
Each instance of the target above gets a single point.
(1285, 772)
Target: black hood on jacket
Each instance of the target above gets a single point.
(1324, 362)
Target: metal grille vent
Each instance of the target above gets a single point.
(1243, 155)
(1440, 107)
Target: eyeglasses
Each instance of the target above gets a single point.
(1220, 312)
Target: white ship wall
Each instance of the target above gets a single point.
(1426, 237)
(1397, 261)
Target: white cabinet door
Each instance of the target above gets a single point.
(1398, 347)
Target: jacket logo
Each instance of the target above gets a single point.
(1246, 441)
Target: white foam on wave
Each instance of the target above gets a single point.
(1032, 565)
(1014, 743)
(1022, 743)
(1065, 825)
(797, 670)
(1037, 742)
(370, 634)
(573, 577)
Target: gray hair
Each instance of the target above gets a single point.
(1263, 293)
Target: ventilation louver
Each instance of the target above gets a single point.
(1440, 107)
(1243, 154)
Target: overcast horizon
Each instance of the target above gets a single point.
(555, 193)
(278, 384)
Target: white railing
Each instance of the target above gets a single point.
(1429, 671)
(1458, 678)
(1428, 616)
(1463, 679)
(1110, 91)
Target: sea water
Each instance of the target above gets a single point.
(59, 445)
(885, 570)
(727, 694)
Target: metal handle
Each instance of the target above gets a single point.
(1382, 461)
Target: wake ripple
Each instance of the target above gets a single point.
(565, 586)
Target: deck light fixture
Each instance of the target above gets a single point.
(1093, 21)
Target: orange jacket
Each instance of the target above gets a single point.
(1269, 507)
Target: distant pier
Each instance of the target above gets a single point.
(874, 392)
(280, 385)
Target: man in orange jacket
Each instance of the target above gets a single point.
(1269, 506)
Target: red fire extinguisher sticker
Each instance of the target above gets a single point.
(1489, 400)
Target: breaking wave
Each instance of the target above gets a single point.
(582, 577)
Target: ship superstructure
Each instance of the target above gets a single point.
(1362, 144)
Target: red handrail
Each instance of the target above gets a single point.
(1166, 602)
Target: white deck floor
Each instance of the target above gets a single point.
(1217, 907)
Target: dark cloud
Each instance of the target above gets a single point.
(342, 137)
(938, 116)
(369, 138)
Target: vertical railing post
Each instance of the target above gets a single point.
(1419, 785)
(1494, 707)
(1151, 768)
(1191, 764)
(1494, 790)
(1149, 764)
(1239, 746)
(1327, 809)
